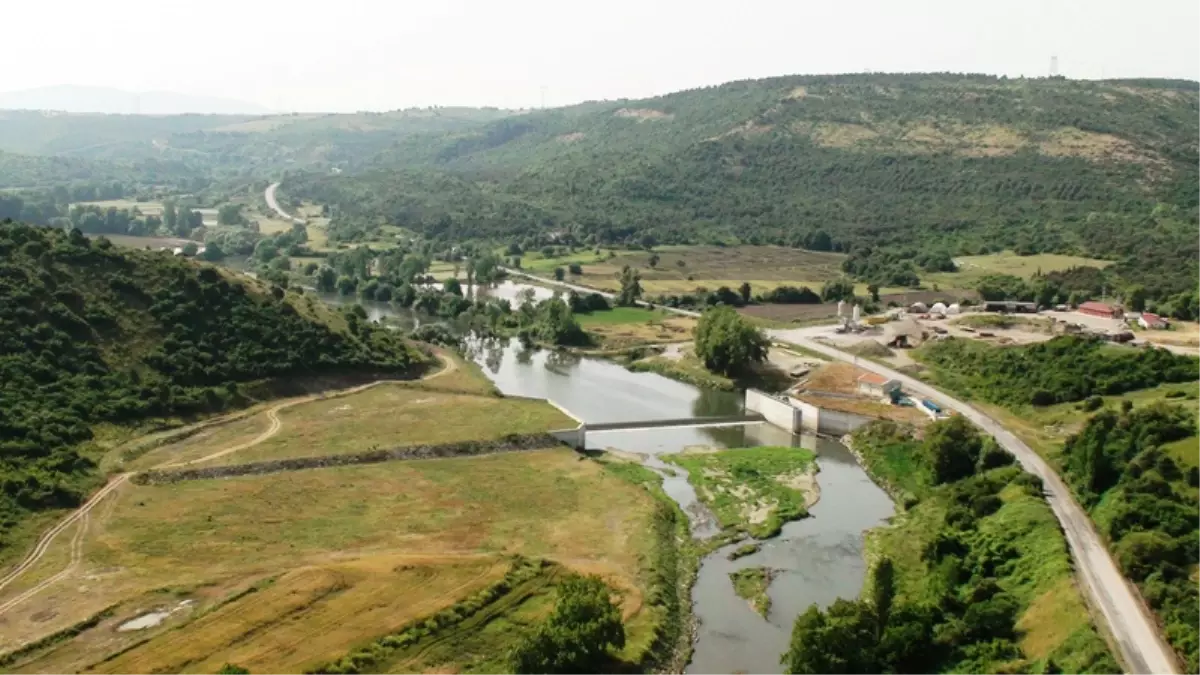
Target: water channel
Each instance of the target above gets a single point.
(817, 560)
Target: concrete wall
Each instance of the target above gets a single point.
(825, 421)
(777, 411)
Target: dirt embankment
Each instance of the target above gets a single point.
(512, 443)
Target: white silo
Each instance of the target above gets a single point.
(857, 315)
(841, 308)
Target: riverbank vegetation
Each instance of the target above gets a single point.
(751, 584)
(972, 576)
(753, 490)
(91, 334)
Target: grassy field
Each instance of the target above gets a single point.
(1046, 428)
(284, 572)
(389, 415)
(683, 269)
(753, 489)
(751, 584)
(628, 326)
(974, 267)
(341, 559)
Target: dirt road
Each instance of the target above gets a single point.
(1142, 648)
(43, 544)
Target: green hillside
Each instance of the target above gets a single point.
(92, 334)
(954, 163)
(223, 146)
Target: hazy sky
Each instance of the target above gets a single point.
(343, 55)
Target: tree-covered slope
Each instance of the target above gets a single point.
(92, 334)
(958, 163)
(222, 146)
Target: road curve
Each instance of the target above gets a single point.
(269, 195)
(1129, 621)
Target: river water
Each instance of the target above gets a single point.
(816, 560)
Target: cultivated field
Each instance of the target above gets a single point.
(709, 267)
(287, 571)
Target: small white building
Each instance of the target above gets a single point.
(877, 386)
(1151, 321)
(954, 308)
(938, 308)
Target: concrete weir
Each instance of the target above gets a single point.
(577, 437)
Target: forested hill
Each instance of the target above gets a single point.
(959, 163)
(218, 147)
(93, 334)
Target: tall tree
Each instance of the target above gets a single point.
(631, 286)
(727, 343)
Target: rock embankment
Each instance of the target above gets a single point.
(510, 443)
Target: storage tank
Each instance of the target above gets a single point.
(954, 308)
(938, 308)
(857, 315)
(841, 308)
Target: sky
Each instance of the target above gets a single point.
(347, 55)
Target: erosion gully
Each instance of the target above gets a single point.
(816, 560)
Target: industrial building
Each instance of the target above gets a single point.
(1100, 309)
(1010, 307)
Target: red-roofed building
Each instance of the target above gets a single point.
(1100, 309)
(1148, 320)
(876, 385)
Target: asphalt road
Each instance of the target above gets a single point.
(270, 197)
(1129, 621)
(584, 290)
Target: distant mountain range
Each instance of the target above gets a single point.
(78, 99)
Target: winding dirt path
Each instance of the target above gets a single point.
(81, 514)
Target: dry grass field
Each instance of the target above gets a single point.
(286, 571)
(386, 416)
(355, 551)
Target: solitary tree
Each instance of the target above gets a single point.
(745, 291)
(873, 289)
(631, 286)
(575, 269)
(654, 260)
(559, 273)
(727, 343)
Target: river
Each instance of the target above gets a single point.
(817, 559)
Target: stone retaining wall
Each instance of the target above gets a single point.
(511, 443)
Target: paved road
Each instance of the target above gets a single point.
(584, 290)
(269, 194)
(1130, 623)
